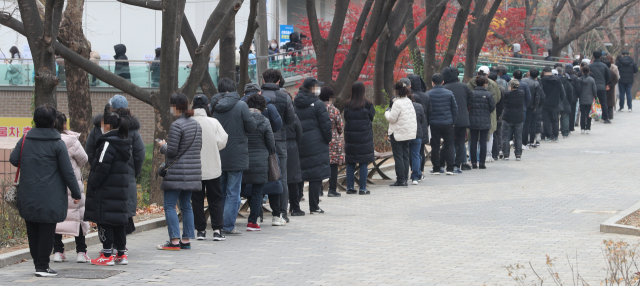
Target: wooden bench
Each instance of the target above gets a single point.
(381, 158)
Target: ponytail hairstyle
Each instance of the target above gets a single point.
(402, 90)
(116, 121)
(61, 122)
(181, 103)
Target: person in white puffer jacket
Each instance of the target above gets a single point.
(402, 128)
(214, 139)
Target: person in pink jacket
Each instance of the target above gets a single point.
(74, 224)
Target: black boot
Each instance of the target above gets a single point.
(398, 184)
(333, 193)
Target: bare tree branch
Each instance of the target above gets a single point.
(252, 26)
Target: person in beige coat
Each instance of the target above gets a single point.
(214, 139)
(403, 127)
(74, 224)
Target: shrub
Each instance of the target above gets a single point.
(144, 180)
(12, 227)
(380, 127)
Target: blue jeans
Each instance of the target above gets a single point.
(351, 169)
(230, 183)
(414, 146)
(625, 88)
(171, 198)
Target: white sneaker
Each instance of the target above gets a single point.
(275, 221)
(83, 258)
(588, 131)
(582, 131)
(414, 182)
(283, 221)
(489, 159)
(59, 257)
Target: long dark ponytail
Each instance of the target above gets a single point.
(114, 120)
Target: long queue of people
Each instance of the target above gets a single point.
(268, 143)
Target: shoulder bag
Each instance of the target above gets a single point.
(274, 167)
(11, 196)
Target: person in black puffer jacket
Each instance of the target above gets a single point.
(573, 78)
(184, 175)
(513, 119)
(294, 176)
(419, 89)
(627, 69)
(122, 66)
(120, 104)
(482, 105)
(313, 149)
(261, 143)
(45, 174)
(462, 94)
(601, 74)
(234, 116)
(565, 106)
(107, 188)
(358, 137)
(533, 109)
(554, 95)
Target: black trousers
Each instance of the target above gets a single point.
(314, 195)
(255, 201)
(40, 237)
(460, 150)
(401, 156)
(497, 140)
(113, 237)
(550, 122)
(81, 245)
(333, 180)
(281, 149)
(529, 127)
(294, 197)
(274, 202)
(444, 132)
(480, 135)
(572, 117)
(585, 120)
(602, 97)
(212, 191)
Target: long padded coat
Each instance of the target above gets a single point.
(358, 133)
(184, 143)
(109, 181)
(313, 148)
(75, 213)
(261, 141)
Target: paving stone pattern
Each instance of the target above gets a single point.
(449, 230)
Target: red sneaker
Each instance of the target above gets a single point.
(102, 260)
(253, 227)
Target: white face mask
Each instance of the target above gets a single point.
(316, 91)
(102, 129)
(274, 45)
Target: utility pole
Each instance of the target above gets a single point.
(262, 41)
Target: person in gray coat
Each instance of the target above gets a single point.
(184, 174)
(45, 175)
(601, 75)
(588, 92)
(261, 144)
(236, 119)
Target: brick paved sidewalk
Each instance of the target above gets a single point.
(458, 230)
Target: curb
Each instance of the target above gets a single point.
(611, 225)
(17, 256)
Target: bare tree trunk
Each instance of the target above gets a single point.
(379, 90)
(172, 13)
(430, 64)
(252, 26)
(477, 33)
(262, 41)
(227, 66)
(78, 96)
(531, 9)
